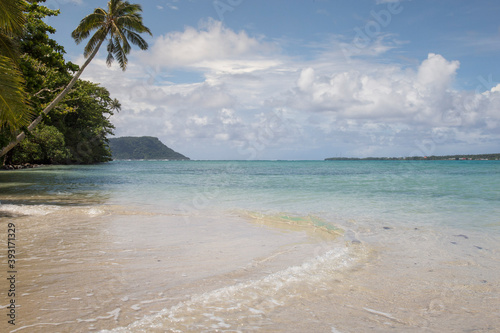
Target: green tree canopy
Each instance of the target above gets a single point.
(76, 129)
(121, 23)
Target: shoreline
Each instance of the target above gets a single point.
(113, 265)
(146, 247)
(120, 269)
(11, 167)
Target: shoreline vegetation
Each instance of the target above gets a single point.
(21, 166)
(48, 115)
(476, 157)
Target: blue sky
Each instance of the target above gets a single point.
(306, 79)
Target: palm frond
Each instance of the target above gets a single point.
(123, 40)
(136, 39)
(110, 48)
(120, 23)
(8, 47)
(14, 108)
(120, 54)
(115, 105)
(94, 41)
(133, 22)
(122, 8)
(11, 16)
(88, 24)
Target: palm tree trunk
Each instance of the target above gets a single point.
(52, 104)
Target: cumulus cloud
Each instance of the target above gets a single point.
(436, 73)
(496, 88)
(252, 101)
(211, 46)
(391, 93)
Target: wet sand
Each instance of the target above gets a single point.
(412, 281)
(89, 268)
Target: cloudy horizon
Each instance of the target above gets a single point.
(217, 85)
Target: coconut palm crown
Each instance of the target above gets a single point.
(121, 24)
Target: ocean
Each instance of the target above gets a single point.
(252, 246)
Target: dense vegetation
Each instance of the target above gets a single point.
(76, 128)
(422, 158)
(14, 108)
(142, 148)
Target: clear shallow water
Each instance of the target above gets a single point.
(276, 246)
(452, 193)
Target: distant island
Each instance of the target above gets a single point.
(478, 157)
(142, 148)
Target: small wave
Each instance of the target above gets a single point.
(62, 193)
(36, 210)
(227, 307)
(93, 212)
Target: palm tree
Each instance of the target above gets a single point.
(14, 109)
(121, 24)
(116, 105)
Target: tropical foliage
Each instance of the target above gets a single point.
(79, 121)
(45, 145)
(82, 121)
(121, 24)
(14, 109)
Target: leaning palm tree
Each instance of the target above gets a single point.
(121, 25)
(14, 109)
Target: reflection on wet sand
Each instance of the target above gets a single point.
(95, 267)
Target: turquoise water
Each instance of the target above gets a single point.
(452, 193)
(234, 246)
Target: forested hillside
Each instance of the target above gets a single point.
(142, 148)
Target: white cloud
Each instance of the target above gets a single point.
(211, 46)
(306, 79)
(386, 92)
(172, 7)
(436, 73)
(496, 88)
(252, 101)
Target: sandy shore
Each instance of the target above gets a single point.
(88, 268)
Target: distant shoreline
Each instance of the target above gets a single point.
(477, 157)
(23, 166)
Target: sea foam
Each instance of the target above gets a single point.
(226, 307)
(36, 210)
